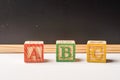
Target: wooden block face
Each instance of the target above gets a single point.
(96, 52)
(33, 52)
(65, 52)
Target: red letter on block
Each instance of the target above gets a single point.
(33, 51)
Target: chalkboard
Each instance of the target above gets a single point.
(50, 20)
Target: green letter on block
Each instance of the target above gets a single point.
(65, 51)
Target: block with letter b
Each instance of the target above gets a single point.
(65, 50)
(96, 51)
(33, 51)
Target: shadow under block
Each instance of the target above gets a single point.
(96, 51)
(33, 51)
(65, 51)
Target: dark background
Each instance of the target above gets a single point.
(50, 20)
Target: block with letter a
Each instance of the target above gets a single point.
(33, 51)
(65, 50)
(96, 51)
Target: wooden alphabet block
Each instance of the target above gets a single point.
(96, 51)
(33, 51)
(65, 50)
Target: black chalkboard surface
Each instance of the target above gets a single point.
(50, 20)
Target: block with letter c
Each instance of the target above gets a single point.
(96, 51)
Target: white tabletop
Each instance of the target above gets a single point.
(12, 67)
